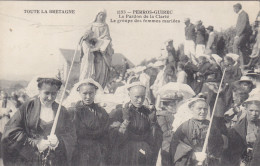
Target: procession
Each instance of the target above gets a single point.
(197, 104)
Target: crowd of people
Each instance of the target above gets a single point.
(189, 108)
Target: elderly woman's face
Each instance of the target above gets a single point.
(137, 95)
(87, 93)
(253, 112)
(101, 17)
(48, 94)
(200, 110)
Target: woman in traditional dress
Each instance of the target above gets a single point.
(27, 140)
(188, 140)
(133, 131)
(91, 122)
(102, 59)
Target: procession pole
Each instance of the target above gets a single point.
(63, 93)
(157, 107)
(211, 119)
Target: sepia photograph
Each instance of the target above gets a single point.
(130, 83)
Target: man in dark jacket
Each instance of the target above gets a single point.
(200, 38)
(242, 32)
(190, 36)
(172, 58)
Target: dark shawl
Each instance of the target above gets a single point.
(91, 124)
(189, 138)
(22, 132)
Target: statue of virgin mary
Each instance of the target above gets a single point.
(96, 60)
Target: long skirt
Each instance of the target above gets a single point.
(136, 154)
(132, 153)
(88, 153)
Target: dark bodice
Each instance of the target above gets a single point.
(195, 133)
(139, 121)
(91, 121)
(44, 128)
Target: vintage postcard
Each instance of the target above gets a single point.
(124, 82)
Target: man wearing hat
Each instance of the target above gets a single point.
(243, 32)
(200, 38)
(190, 36)
(211, 44)
(245, 83)
(255, 77)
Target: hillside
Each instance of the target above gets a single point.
(10, 86)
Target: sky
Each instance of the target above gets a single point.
(30, 43)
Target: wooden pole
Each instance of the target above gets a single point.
(63, 94)
(211, 119)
